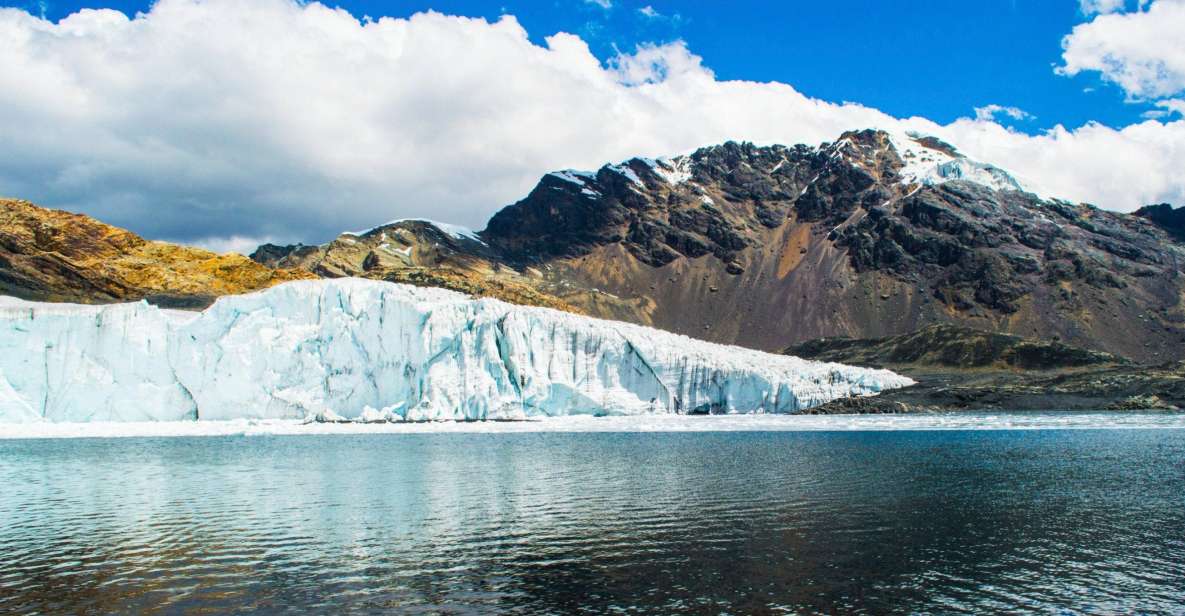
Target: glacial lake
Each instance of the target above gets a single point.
(602, 521)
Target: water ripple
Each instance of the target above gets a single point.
(865, 522)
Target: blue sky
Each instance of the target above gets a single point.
(932, 58)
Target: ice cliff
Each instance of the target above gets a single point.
(375, 350)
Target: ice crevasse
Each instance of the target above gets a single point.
(374, 350)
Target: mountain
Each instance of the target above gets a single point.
(50, 255)
(362, 349)
(875, 234)
(958, 369)
(418, 252)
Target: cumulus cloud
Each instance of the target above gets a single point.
(226, 121)
(1140, 51)
(989, 112)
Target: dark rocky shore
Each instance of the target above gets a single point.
(961, 369)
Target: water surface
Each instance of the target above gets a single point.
(906, 521)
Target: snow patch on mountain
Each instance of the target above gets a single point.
(572, 175)
(353, 349)
(449, 229)
(929, 165)
(673, 171)
(625, 170)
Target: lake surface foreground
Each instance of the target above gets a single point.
(737, 521)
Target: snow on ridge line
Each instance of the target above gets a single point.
(929, 165)
(455, 231)
(357, 348)
(672, 170)
(574, 176)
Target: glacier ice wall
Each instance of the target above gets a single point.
(358, 348)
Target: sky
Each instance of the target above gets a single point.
(230, 122)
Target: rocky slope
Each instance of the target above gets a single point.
(872, 235)
(419, 252)
(1164, 216)
(944, 347)
(960, 369)
(50, 255)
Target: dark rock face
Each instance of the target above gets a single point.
(1164, 216)
(726, 194)
(272, 255)
(950, 347)
(990, 248)
(844, 239)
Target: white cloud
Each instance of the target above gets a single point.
(1092, 7)
(269, 118)
(1172, 105)
(605, 4)
(1141, 51)
(988, 113)
(1166, 108)
(235, 243)
(652, 14)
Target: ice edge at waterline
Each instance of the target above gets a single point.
(361, 349)
(1076, 420)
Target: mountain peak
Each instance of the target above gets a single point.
(712, 200)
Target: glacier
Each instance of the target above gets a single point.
(929, 166)
(364, 350)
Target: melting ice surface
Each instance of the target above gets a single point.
(359, 349)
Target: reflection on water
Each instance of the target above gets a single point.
(743, 522)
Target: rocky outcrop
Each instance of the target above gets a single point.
(51, 255)
(957, 369)
(1164, 216)
(954, 348)
(1116, 388)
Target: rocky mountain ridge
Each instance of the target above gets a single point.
(874, 234)
(51, 255)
